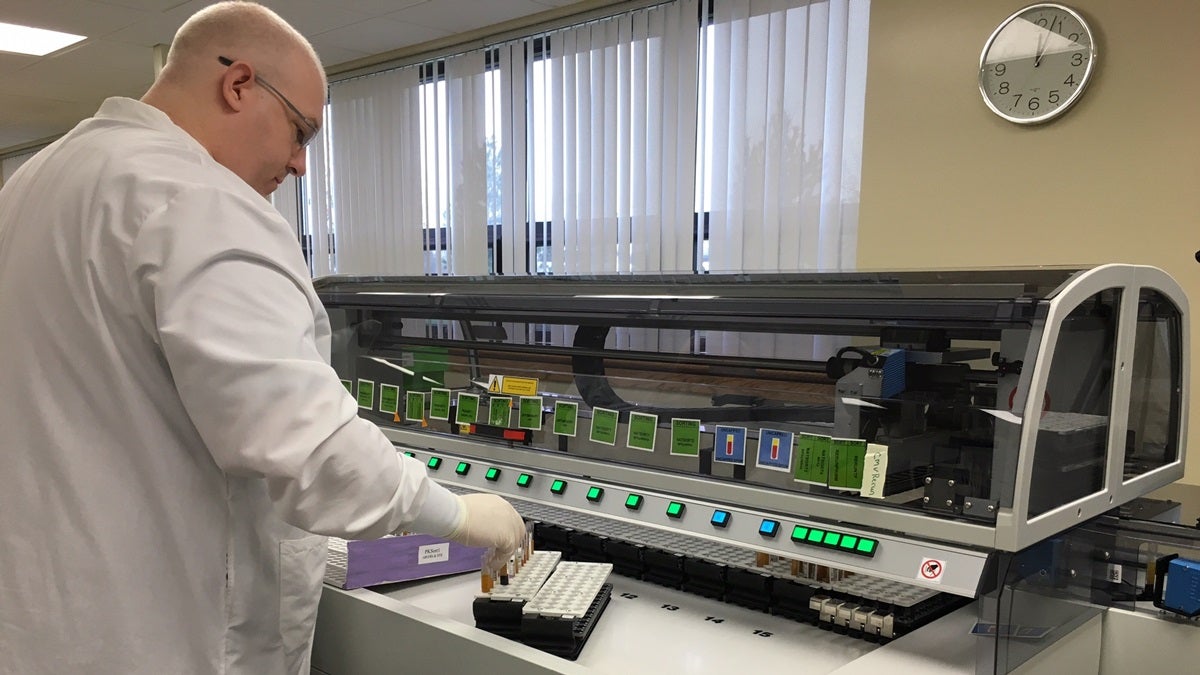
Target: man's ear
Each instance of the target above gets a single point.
(234, 83)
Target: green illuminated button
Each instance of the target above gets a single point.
(462, 468)
(524, 480)
(434, 463)
(595, 493)
(831, 539)
(675, 510)
(411, 454)
(558, 487)
(799, 533)
(815, 536)
(848, 542)
(866, 547)
(633, 502)
(493, 474)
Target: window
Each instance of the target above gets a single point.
(691, 136)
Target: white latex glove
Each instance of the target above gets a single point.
(488, 521)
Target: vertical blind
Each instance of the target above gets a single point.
(695, 135)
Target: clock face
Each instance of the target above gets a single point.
(1036, 64)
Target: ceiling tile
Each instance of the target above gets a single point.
(332, 55)
(81, 17)
(379, 35)
(147, 5)
(374, 7)
(313, 17)
(13, 62)
(93, 54)
(451, 17)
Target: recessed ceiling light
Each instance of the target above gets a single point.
(34, 41)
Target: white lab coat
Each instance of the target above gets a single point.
(170, 431)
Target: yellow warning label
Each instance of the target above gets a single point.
(519, 386)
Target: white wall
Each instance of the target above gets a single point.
(946, 183)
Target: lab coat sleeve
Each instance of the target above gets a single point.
(225, 293)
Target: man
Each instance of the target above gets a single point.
(172, 433)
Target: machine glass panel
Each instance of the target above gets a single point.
(1153, 430)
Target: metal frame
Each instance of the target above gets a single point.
(1017, 531)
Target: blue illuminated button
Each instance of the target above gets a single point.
(462, 468)
(434, 463)
(558, 487)
(524, 480)
(799, 533)
(594, 494)
(493, 474)
(720, 518)
(769, 528)
(675, 510)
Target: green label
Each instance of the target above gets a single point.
(846, 457)
(349, 386)
(604, 426)
(414, 406)
(642, 430)
(389, 398)
(499, 408)
(566, 418)
(468, 409)
(685, 437)
(439, 404)
(531, 413)
(366, 394)
(812, 459)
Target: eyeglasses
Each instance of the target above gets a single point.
(306, 128)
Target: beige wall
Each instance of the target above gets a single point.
(946, 183)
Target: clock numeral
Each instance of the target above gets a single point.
(1074, 37)
(1070, 81)
(1016, 102)
(1033, 103)
(1077, 59)
(1001, 69)
(1003, 88)
(1053, 97)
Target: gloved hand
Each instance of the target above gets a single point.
(486, 520)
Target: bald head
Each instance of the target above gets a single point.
(247, 86)
(238, 30)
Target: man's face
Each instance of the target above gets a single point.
(288, 115)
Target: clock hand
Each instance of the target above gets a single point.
(1041, 48)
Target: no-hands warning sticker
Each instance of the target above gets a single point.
(931, 570)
